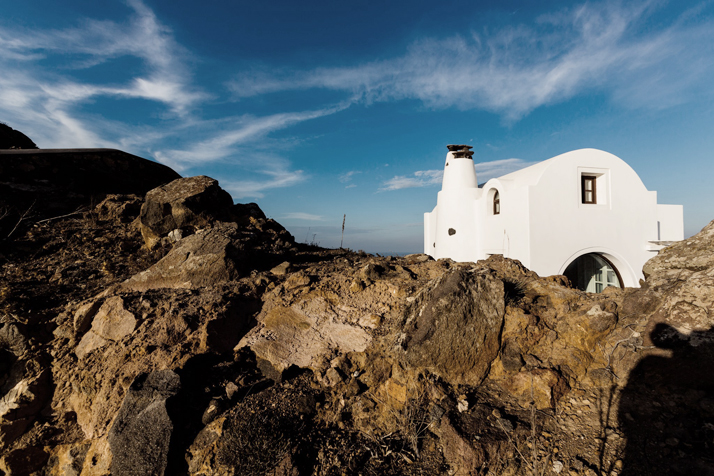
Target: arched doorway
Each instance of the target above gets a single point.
(592, 272)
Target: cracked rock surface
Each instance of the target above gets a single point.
(228, 348)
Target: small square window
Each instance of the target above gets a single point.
(588, 187)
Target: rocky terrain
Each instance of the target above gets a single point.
(43, 184)
(173, 332)
(12, 139)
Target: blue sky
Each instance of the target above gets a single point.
(319, 109)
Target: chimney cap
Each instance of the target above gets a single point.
(455, 147)
(461, 151)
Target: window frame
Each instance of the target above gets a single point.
(496, 203)
(585, 179)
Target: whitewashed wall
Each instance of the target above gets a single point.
(543, 222)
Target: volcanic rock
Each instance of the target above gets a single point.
(203, 356)
(213, 255)
(454, 326)
(47, 183)
(680, 260)
(12, 139)
(188, 204)
(139, 439)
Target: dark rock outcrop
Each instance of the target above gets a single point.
(184, 205)
(187, 205)
(453, 328)
(12, 139)
(46, 183)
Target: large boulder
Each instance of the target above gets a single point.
(186, 204)
(301, 335)
(139, 439)
(453, 328)
(209, 257)
(679, 260)
(678, 286)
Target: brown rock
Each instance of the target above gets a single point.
(84, 315)
(113, 321)
(90, 342)
(682, 258)
(282, 269)
(20, 405)
(453, 327)
(188, 203)
(203, 259)
(302, 333)
(201, 454)
(332, 377)
(119, 208)
(23, 461)
(371, 272)
(688, 305)
(356, 286)
(418, 257)
(13, 339)
(297, 280)
(396, 392)
(544, 387)
(463, 457)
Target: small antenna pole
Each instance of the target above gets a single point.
(344, 217)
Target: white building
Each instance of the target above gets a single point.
(585, 214)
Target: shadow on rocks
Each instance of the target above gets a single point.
(667, 407)
(203, 396)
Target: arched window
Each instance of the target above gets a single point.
(593, 273)
(496, 203)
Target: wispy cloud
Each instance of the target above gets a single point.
(303, 216)
(420, 178)
(46, 101)
(234, 132)
(597, 46)
(43, 91)
(347, 176)
(428, 178)
(275, 175)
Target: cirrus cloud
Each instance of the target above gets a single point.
(514, 70)
(428, 178)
